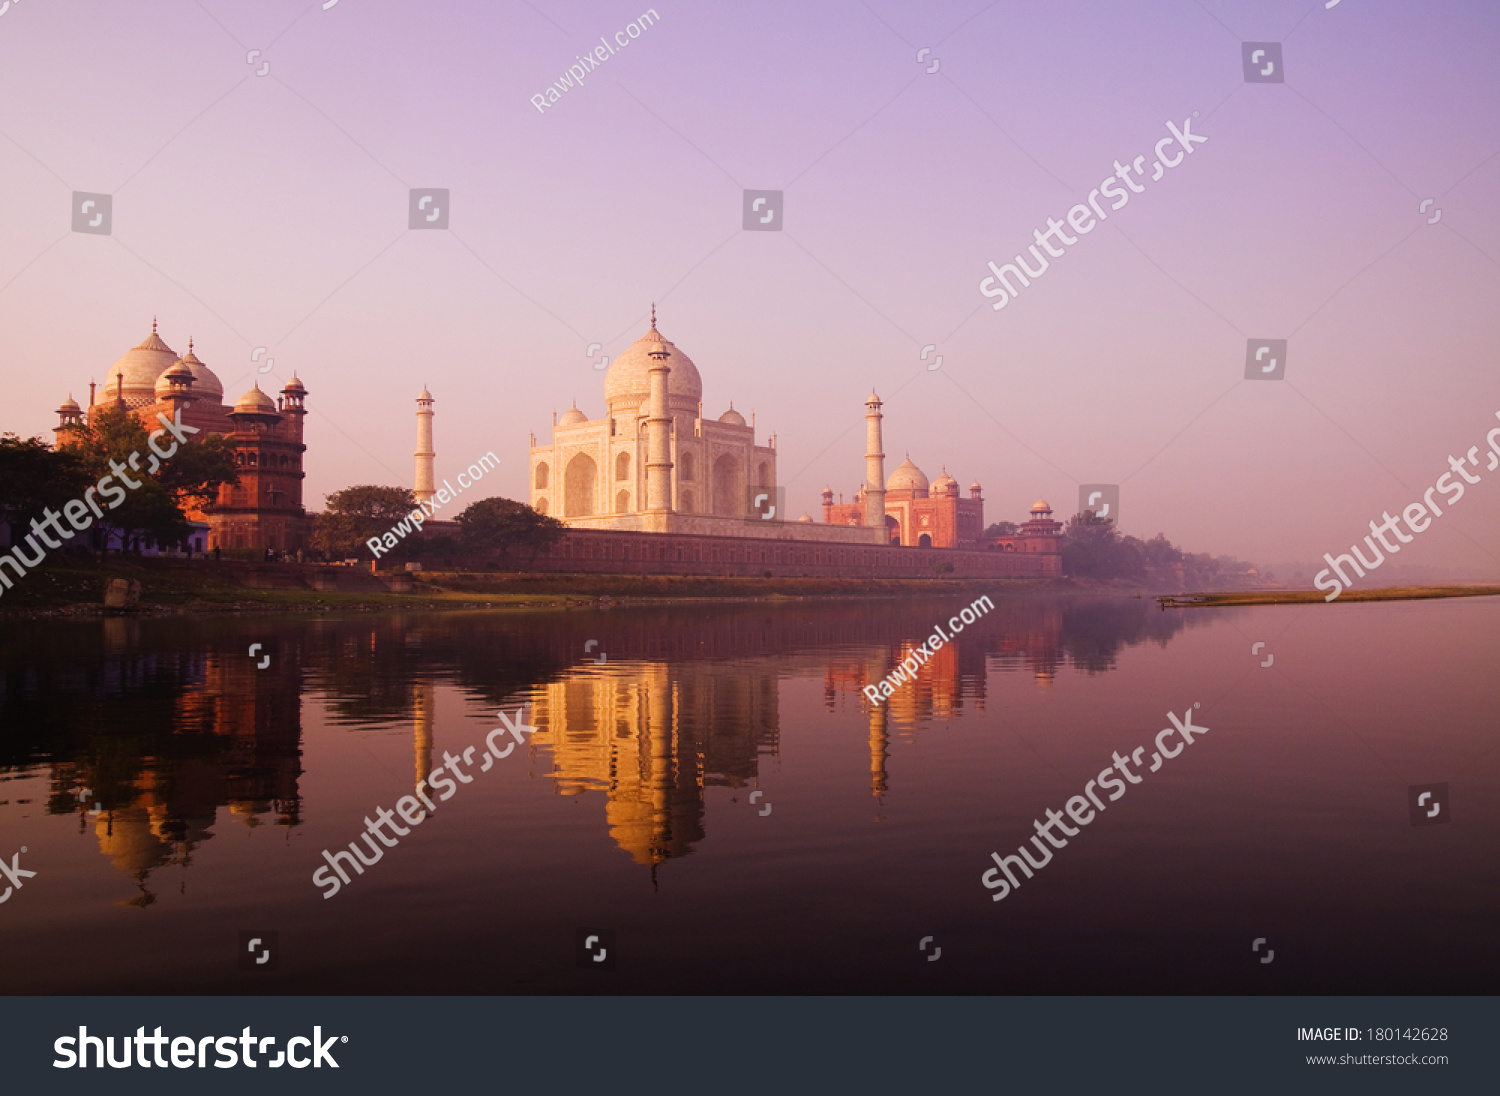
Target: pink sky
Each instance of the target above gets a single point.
(271, 211)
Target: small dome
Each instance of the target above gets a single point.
(182, 371)
(1041, 506)
(426, 395)
(205, 383)
(732, 417)
(975, 486)
(295, 385)
(908, 478)
(254, 402)
(806, 517)
(945, 484)
(70, 404)
(572, 417)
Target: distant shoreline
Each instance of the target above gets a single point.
(1308, 597)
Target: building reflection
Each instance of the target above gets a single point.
(164, 724)
(652, 736)
(221, 733)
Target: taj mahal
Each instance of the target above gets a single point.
(654, 463)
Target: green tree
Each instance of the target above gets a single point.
(189, 479)
(196, 471)
(1092, 549)
(509, 527)
(356, 514)
(1000, 529)
(35, 477)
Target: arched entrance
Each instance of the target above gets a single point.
(578, 486)
(729, 488)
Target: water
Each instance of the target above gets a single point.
(632, 810)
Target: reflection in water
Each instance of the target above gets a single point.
(165, 721)
(652, 736)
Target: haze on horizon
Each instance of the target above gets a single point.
(271, 211)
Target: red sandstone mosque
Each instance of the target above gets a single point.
(265, 510)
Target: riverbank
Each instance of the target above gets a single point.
(1306, 597)
(168, 587)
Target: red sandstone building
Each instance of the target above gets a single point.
(265, 510)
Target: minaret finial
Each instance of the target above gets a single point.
(653, 315)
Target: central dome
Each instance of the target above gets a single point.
(140, 366)
(908, 477)
(627, 385)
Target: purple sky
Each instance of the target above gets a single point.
(271, 211)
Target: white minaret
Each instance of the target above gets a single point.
(658, 440)
(874, 466)
(424, 490)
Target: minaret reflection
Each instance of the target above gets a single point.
(422, 710)
(652, 736)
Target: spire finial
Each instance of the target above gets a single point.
(653, 315)
(190, 344)
(153, 325)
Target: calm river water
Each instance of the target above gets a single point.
(710, 793)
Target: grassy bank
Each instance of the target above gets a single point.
(1305, 597)
(75, 586)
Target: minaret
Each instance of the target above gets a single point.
(874, 468)
(424, 454)
(658, 441)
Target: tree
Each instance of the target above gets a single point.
(155, 510)
(1092, 549)
(1000, 529)
(35, 477)
(195, 472)
(356, 514)
(508, 527)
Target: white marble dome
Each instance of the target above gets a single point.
(627, 384)
(138, 368)
(908, 477)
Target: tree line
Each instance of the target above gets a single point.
(36, 477)
(1093, 548)
(355, 515)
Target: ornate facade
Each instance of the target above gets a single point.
(653, 463)
(265, 510)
